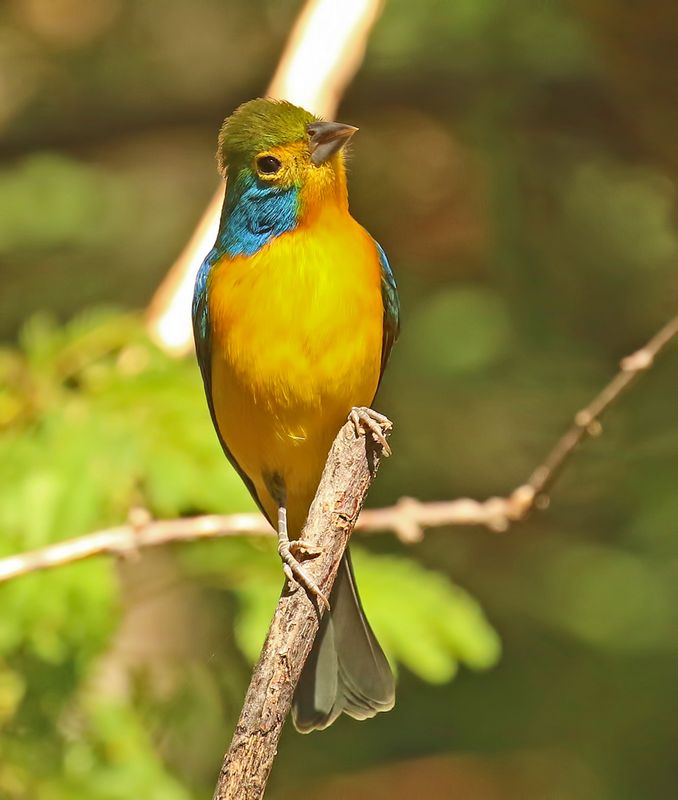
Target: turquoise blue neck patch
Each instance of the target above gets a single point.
(254, 214)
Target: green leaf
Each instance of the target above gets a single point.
(421, 618)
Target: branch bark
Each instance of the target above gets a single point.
(351, 466)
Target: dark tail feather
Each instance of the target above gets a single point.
(347, 670)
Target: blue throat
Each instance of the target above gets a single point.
(254, 214)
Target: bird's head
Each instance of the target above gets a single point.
(270, 148)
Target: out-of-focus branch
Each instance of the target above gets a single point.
(323, 53)
(408, 518)
(586, 422)
(350, 468)
(126, 540)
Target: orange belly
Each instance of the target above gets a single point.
(296, 343)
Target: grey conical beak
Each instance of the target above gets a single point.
(326, 138)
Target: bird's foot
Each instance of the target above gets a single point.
(295, 573)
(303, 548)
(365, 419)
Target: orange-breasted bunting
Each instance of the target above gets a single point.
(295, 312)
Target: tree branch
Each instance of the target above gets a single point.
(408, 518)
(349, 471)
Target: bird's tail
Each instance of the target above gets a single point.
(346, 670)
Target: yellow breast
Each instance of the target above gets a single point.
(296, 342)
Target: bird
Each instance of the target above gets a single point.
(295, 311)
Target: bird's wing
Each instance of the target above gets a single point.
(389, 294)
(203, 346)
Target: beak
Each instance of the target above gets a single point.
(327, 138)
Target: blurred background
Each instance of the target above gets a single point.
(518, 161)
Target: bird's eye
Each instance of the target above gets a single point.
(268, 165)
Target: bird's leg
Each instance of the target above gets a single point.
(294, 572)
(365, 419)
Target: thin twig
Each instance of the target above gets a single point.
(349, 471)
(586, 422)
(408, 518)
(126, 540)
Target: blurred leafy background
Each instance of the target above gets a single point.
(519, 163)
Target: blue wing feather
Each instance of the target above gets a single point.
(203, 347)
(389, 294)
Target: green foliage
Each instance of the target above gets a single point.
(94, 404)
(477, 327)
(69, 197)
(422, 620)
(96, 419)
(473, 36)
(614, 599)
(628, 211)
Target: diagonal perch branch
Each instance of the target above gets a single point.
(351, 466)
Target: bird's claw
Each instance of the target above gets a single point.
(294, 572)
(364, 418)
(301, 547)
